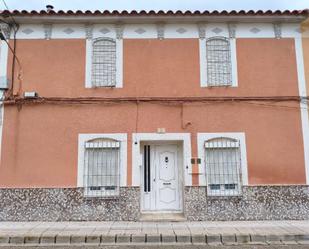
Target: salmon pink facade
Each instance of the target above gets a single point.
(135, 116)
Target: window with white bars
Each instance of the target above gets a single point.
(101, 168)
(223, 166)
(103, 62)
(218, 62)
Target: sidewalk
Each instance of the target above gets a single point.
(154, 233)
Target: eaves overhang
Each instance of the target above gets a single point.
(79, 16)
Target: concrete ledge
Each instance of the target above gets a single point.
(17, 240)
(150, 238)
(243, 238)
(60, 239)
(48, 239)
(228, 239)
(32, 240)
(199, 239)
(93, 239)
(78, 239)
(108, 239)
(4, 239)
(214, 239)
(184, 239)
(138, 238)
(168, 238)
(123, 239)
(156, 239)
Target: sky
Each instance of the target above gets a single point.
(157, 4)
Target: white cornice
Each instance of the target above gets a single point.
(158, 31)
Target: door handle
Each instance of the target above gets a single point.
(166, 183)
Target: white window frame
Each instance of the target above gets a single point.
(203, 137)
(119, 63)
(84, 138)
(4, 52)
(203, 62)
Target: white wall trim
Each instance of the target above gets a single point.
(121, 137)
(119, 63)
(1, 122)
(88, 83)
(304, 104)
(136, 153)
(202, 137)
(4, 51)
(234, 62)
(203, 68)
(149, 31)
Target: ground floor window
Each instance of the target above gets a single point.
(223, 166)
(102, 160)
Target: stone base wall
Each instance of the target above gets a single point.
(69, 204)
(255, 203)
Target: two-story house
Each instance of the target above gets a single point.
(154, 115)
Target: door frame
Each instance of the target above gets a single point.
(180, 172)
(137, 159)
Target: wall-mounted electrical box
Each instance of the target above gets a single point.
(30, 95)
(161, 130)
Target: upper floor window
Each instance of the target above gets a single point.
(223, 166)
(218, 63)
(104, 62)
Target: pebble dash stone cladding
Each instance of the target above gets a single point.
(69, 204)
(255, 203)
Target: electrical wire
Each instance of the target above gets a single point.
(7, 7)
(13, 50)
(274, 101)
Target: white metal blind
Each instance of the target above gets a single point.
(104, 62)
(218, 62)
(102, 160)
(223, 166)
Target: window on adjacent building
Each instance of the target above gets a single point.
(218, 62)
(103, 62)
(223, 166)
(101, 168)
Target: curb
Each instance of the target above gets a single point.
(138, 239)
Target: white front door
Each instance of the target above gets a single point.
(161, 189)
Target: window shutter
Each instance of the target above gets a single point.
(104, 63)
(223, 166)
(218, 62)
(101, 175)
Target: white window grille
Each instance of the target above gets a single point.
(218, 62)
(223, 166)
(104, 62)
(101, 171)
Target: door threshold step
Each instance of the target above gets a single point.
(163, 217)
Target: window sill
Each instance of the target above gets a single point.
(103, 87)
(219, 86)
(101, 197)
